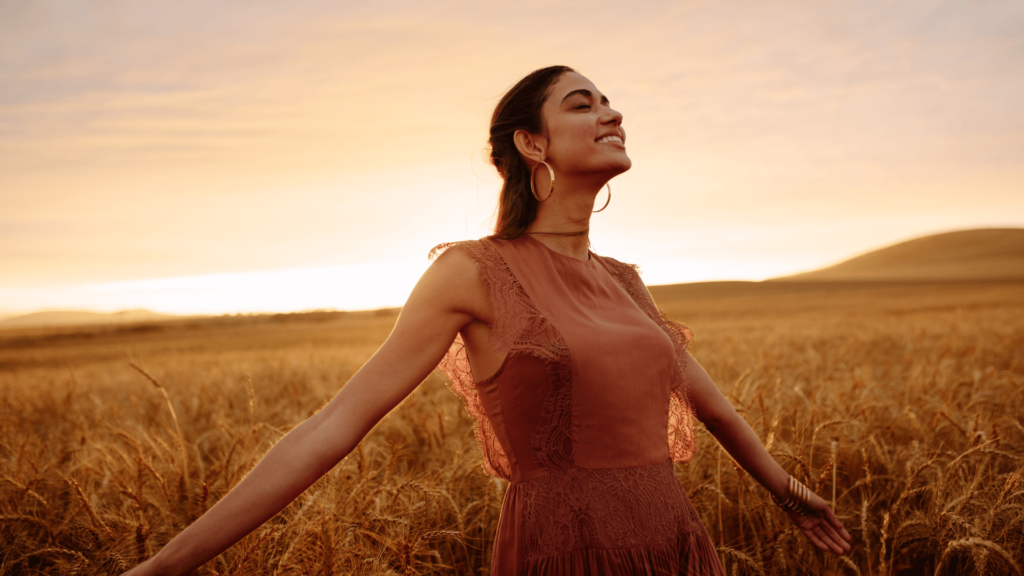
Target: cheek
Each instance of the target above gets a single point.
(582, 132)
(574, 140)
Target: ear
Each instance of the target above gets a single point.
(533, 147)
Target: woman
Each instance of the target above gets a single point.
(583, 392)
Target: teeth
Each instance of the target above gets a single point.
(611, 138)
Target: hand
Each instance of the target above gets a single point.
(822, 527)
(146, 568)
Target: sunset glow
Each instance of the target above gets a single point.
(236, 157)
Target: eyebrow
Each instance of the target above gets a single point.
(587, 93)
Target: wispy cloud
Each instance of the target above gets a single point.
(149, 139)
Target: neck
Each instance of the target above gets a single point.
(563, 220)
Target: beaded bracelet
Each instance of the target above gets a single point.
(799, 500)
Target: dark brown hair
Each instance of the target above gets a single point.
(519, 109)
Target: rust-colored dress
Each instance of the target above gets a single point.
(584, 418)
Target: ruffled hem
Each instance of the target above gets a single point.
(694, 555)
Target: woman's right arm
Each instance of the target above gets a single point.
(448, 296)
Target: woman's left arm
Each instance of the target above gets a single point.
(742, 443)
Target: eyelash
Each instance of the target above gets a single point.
(583, 106)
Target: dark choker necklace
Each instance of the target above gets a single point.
(580, 233)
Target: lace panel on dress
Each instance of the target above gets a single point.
(518, 328)
(682, 442)
(607, 508)
(460, 381)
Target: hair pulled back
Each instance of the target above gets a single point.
(519, 109)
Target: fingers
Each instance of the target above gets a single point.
(822, 535)
(813, 537)
(836, 536)
(824, 530)
(836, 525)
(828, 535)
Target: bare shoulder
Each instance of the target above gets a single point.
(454, 283)
(454, 271)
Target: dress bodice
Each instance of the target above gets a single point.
(593, 376)
(584, 417)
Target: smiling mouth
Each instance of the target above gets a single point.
(610, 138)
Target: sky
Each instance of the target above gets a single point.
(222, 157)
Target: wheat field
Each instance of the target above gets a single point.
(901, 403)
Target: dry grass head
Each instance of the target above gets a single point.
(903, 404)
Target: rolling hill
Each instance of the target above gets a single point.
(965, 255)
(76, 317)
(994, 254)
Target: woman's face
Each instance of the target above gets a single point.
(585, 135)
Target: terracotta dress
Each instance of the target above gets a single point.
(584, 418)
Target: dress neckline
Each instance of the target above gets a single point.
(586, 262)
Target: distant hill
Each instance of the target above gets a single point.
(984, 254)
(74, 317)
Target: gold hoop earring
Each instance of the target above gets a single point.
(609, 186)
(550, 173)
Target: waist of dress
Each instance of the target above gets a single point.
(602, 508)
(537, 473)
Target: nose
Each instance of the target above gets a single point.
(612, 117)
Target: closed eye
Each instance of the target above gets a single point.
(583, 106)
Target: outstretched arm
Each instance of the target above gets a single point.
(742, 443)
(441, 303)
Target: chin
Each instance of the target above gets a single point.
(610, 167)
(622, 166)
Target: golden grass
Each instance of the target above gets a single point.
(903, 403)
